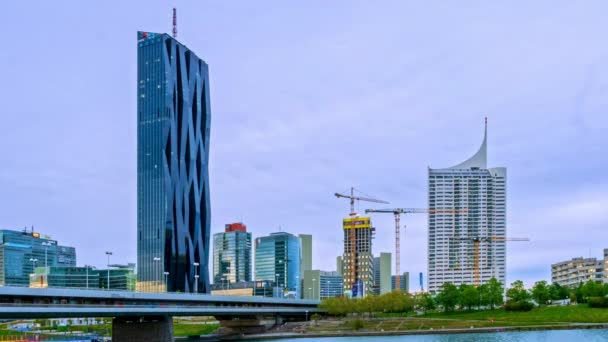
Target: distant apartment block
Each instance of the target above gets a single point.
(579, 270)
(232, 255)
(22, 251)
(382, 273)
(404, 282)
(306, 243)
(467, 222)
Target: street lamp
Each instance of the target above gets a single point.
(46, 248)
(276, 283)
(327, 291)
(108, 254)
(310, 292)
(34, 261)
(166, 276)
(195, 276)
(156, 273)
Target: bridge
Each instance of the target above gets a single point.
(139, 316)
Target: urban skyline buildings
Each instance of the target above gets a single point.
(357, 258)
(467, 245)
(278, 259)
(173, 204)
(22, 251)
(382, 273)
(579, 270)
(232, 254)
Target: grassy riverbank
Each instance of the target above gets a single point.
(543, 316)
(181, 328)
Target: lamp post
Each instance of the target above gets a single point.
(34, 261)
(276, 283)
(195, 276)
(156, 273)
(46, 248)
(166, 277)
(310, 292)
(108, 254)
(326, 291)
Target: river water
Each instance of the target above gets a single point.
(585, 335)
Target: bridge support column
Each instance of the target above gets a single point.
(142, 329)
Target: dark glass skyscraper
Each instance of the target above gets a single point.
(173, 210)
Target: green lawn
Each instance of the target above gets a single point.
(545, 314)
(554, 315)
(179, 329)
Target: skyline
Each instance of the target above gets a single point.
(363, 85)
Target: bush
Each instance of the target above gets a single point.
(598, 302)
(356, 324)
(512, 305)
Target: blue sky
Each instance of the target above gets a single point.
(309, 98)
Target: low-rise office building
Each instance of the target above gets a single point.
(321, 284)
(404, 282)
(22, 251)
(260, 288)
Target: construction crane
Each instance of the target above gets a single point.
(351, 236)
(397, 212)
(476, 251)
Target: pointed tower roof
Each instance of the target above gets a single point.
(479, 159)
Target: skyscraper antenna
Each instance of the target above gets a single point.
(174, 22)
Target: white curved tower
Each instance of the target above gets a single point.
(452, 239)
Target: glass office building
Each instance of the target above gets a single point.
(321, 284)
(22, 251)
(277, 258)
(232, 255)
(173, 206)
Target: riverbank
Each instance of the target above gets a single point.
(458, 322)
(285, 335)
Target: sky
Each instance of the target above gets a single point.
(310, 98)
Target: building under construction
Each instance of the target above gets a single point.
(357, 260)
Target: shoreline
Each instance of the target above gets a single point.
(288, 335)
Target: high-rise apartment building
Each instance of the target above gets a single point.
(580, 270)
(173, 210)
(232, 255)
(22, 251)
(277, 259)
(357, 259)
(382, 273)
(467, 245)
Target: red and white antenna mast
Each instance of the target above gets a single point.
(174, 22)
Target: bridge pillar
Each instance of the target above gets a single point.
(142, 329)
(247, 325)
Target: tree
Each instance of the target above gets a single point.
(448, 296)
(424, 301)
(517, 292)
(492, 293)
(592, 289)
(558, 292)
(469, 296)
(540, 292)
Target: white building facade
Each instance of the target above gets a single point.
(467, 222)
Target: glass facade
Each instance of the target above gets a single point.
(22, 251)
(232, 255)
(320, 284)
(173, 205)
(277, 258)
(83, 278)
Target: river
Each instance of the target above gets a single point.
(585, 335)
